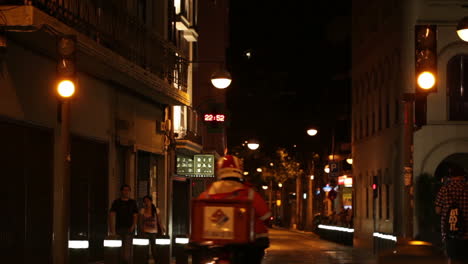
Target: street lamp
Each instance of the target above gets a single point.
(312, 131)
(462, 29)
(426, 80)
(221, 79)
(66, 88)
(253, 144)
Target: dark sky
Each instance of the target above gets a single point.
(297, 76)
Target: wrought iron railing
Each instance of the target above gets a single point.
(115, 25)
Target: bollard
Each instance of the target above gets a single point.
(412, 252)
(140, 250)
(78, 251)
(163, 247)
(180, 252)
(112, 247)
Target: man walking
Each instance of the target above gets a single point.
(123, 219)
(452, 204)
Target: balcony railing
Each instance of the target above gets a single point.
(113, 25)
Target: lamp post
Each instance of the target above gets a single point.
(66, 46)
(312, 172)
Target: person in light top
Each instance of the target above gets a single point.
(149, 223)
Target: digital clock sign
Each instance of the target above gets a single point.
(214, 118)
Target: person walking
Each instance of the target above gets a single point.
(123, 217)
(150, 225)
(230, 185)
(452, 205)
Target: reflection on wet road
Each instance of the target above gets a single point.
(288, 247)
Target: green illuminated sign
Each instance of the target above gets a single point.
(184, 165)
(204, 164)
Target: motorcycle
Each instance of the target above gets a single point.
(216, 254)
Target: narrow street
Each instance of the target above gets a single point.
(290, 247)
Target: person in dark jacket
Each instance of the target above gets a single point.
(123, 218)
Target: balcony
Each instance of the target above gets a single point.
(114, 27)
(188, 140)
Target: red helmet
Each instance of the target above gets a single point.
(229, 166)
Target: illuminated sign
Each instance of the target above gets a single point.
(214, 118)
(184, 165)
(204, 164)
(345, 180)
(327, 188)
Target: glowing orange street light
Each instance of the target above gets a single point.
(426, 80)
(66, 88)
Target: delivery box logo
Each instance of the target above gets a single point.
(218, 222)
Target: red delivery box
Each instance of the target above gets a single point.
(222, 222)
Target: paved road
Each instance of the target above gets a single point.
(290, 247)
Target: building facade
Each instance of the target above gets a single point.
(132, 76)
(387, 148)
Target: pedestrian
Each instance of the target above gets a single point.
(230, 185)
(150, 225)
(452, 205)
(123, 217)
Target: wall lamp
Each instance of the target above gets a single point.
(462, 29)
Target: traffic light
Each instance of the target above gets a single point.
(426, 58)
(66, 66)
(375, 187)
(425, 69)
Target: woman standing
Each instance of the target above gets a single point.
(150, 225)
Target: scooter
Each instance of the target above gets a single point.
(215, 254)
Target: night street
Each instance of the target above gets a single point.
(294, 247)
(144, 131)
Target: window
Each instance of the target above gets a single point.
(457, 83)
(360, 129)
(387, 201)
(180, 121)
(141, 10)
(380, 200)
(380, 117)
(387, 116)
(367, 202)
(367, 126)
(397, 112)
(373, 121)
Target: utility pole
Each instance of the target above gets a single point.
(61, 215)
(408, 202)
